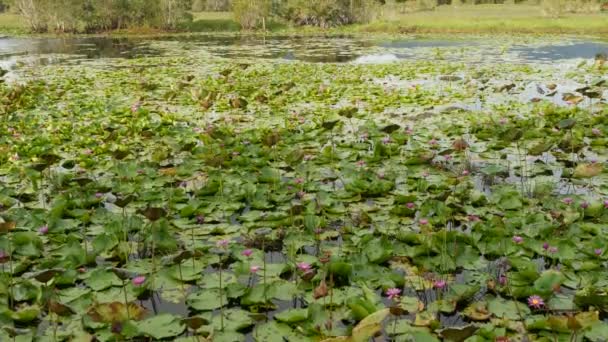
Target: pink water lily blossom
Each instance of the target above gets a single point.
(439, 284)
(410, 205)
(43, 230)
(393, 293)
(518, 239)
(254, 269)
(598, 251)
(568, 200)
(535, 302)
(247, 253)
(222, 243)
(423, 222)
(473, 218)
(304, 267)
(138, 281)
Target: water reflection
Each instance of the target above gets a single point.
(318, 49)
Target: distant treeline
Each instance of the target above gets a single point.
(104, 15)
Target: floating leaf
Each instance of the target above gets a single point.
(161, 326)
(116, 312)
(588, 170)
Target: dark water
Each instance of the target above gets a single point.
(334, 49)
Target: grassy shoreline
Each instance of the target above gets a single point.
(472, 19)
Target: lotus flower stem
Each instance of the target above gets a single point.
(124, 290)
(181, 277)
(54, 319)
(264, 274)
(331, 296)
(124, 228)
(221, 298)
(10, 267)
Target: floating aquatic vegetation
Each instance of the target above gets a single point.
(175, 197)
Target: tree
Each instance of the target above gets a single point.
(251, 13)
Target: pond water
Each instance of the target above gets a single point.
(334, 49)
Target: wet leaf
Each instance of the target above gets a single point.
(116, 312)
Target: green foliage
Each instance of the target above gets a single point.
(101, 15)
(251, 14)
(326, 13)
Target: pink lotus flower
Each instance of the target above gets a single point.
(423, 222)
(247, 253)
(364, 136)
(473, 218)
(598, 251)
(222, 243)
(596, 131)
(518, 239)
(43, 230)
(568, 200)
(439, 284)
(98, 195)
(425, 174)
(299, 180)
(606, 204)
(304, 267)
(433, 142)
(386, 140)
(410, 205)
(138, 281)
(448, 157)
(409, 131)
(552, 249)
(393, 293)
(361, 163)
(502, 280)
(254, 269)
(135, 107)
(465, 172)
(535, 302)
(585, 205)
